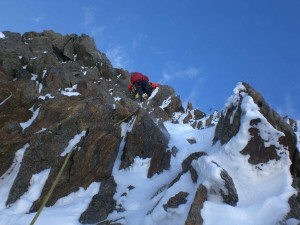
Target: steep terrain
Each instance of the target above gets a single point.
(130, 163)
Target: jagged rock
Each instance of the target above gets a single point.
(102, 203)
(199, 114)
(229, 125)
(230, 197)
(146, 140)
(294, 201)
(191, 140)
(256, 148)
(226, 188)
(176, 200)
(194, 216)
(293, 124)
(165, 103)
(187, 118)
(18, 97)
(193, 115)
(186, 166)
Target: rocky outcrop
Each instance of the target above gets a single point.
(56, 90)
(60, 97)
(146, 140)
(271, 138)
(258, 151)
(194, 217)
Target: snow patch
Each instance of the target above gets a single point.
(46, 96)
(7, 179)
(153, 93)
(70, 91)
(117, 99)
(37, 182)
(166, 103)
(30, 121)
(73, 142)
(2, 36)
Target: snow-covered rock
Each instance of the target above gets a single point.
(132, 164)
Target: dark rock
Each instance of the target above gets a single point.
(294, 201)
(115, 222)
(189, 107)
(175, 201)
(146, 141)
(230, 197)
(102, 203)
(226, 130)
(194, 174)
(194, 216)
(199, 114)
(191, 140)
(293, 124)
(257, 150)
(86, 50)
(23, 74)
(160, 161)
(165, 93)
(186, 164)
(174, 151)
(187, 118)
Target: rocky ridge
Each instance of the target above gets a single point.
(55, 89)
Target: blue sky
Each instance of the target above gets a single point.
(200, 48)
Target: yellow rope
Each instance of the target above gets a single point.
(45, 200)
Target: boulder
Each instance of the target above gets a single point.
(146, 140)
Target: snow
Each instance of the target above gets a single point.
(165, 103)
(34, 76)
(7, 179)
(117, 99)
(66, 210)
(46, 96)
(70, 91)
(30, 121)
(2, 36)
(154, 92)
(74, 141)
(263, 190)
(37, 183)
(44, 73)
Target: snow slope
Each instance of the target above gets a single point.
(263, 190)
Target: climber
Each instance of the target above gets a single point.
(140, 86)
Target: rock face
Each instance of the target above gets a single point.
(66, 88)
(59, 94)
(229, 125)
(264, 145)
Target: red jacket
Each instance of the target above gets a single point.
(153, 85)
(136, 76)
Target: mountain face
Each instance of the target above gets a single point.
(150, 163)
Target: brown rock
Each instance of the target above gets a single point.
(194, 216)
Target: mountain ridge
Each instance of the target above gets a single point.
(55, 87)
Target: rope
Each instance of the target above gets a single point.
(6, 99)
(46, 198)
(126, 118)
